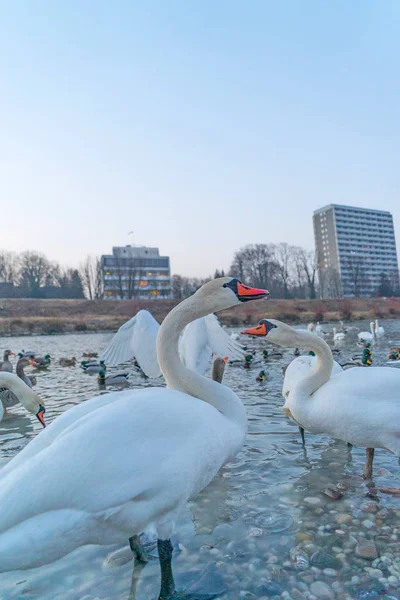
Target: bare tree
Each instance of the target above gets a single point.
(9, 267)
(355, 268)
(284, 255)
(35, 271)
(307, 266)
(92, 277)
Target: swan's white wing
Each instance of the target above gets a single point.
(144, 343)
(219, 342)
(299, 368)
(135, 338)
(194, 349)
(201, 339)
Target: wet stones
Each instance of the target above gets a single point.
(322, 590)
(299, 558)
(366, 549)
(344, 519)
(324, 560)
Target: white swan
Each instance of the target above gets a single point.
(338, 336)
(367, 336)
(379, 331)
(130, 460)
(359, 406)
(201, 338)
(31, 401)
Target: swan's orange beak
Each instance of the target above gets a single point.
(225, 359)
(258, 330)
(245, 293)
(40, 415)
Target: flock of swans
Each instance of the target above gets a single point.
(116, 465)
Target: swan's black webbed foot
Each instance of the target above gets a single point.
(168, 591)
(303, 439)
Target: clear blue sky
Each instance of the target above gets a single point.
(201, 125)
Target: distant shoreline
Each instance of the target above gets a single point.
(27, 317)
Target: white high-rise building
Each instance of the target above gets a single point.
(356, 248)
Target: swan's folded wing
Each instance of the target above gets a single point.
(219, 341)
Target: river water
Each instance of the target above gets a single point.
(264, 515)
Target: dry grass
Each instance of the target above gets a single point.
(28, 316)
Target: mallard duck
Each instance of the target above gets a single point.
(296, 352)
(26, 354)
(5, 365)
(93, 366)
(90, 354)
(67, 362)
(42, 362)
(262, 376)
(116, 379)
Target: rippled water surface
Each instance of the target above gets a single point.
(236, 538)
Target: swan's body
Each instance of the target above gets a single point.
(310, 327)
(379, 331)
(368, 336)
(338, 336)
(117, 464)
(358, 406)
(200, 339)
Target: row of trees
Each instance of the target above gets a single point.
(32, 275)
(285, 271)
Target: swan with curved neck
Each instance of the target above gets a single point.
(358, 406)
(27, 397)
(119, 463)
(368, 336)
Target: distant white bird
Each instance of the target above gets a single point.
(368, 336)
(338, 336)
(200, 339)
(310, 327)
(379, 331)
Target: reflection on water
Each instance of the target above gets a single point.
(236, 537)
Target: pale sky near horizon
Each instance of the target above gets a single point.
(200, 125)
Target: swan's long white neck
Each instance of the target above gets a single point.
(178, 377)
(322, 371)
(28, 398)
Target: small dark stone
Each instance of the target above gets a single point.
(270, 588)
(323, 560)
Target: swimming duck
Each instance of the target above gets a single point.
(90, 354)
(6, 365)
(117, 379)
(67, 362)
(296, 352)
(262, 376)
(42, 362)
(93, 366)
(26, 354)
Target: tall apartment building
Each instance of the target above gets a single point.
(136, 272)
(354, 246)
